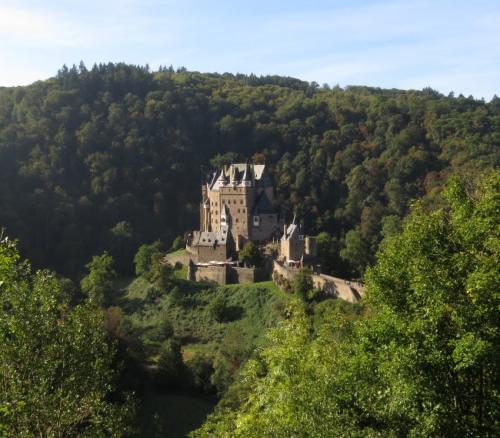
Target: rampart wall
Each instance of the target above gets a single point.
(338, 287)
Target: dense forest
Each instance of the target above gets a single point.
(417, 358)
(420, 360)
(100, 173)
(111, 157)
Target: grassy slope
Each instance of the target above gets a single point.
(259, 304)
(257, 307)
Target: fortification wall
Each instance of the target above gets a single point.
(242, 275)
(182, 258)
(211, 274)
(338, 287)
(287, 274)
(268, 226)
(224, 274)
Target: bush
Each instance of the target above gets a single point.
(170, 365)
(303, 283)
(144, 257)
(217, 308)
(250, 255)
(200, 371)
(178, 243)
(161, 273)
(163, 331)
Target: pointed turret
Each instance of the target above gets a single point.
(233, 177)
(224, 215)
(247, 179)
(222, 177)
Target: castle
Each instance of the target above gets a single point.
(236, 207)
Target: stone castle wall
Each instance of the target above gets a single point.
(224, 274)
(344, 289)
(182, 258)
(209, 274)
(268, 226)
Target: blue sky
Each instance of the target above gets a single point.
(447, 45)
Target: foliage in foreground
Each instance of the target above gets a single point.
(56, 364)
(423, 361)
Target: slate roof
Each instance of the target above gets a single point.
(210, 238)
(241, 172)
(263, 205)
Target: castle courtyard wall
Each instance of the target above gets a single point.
(211, 274)
(347, 290)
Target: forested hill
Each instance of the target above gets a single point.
(111, 157)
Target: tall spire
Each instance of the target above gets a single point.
(246, 173)
(246, 180)
(232, 171)
(223, 178)
(224, 215)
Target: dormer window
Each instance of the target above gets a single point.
(256, 221)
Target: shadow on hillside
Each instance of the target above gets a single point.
(233, 313)
(173, 413)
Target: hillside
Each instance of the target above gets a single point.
(183, 347)
(111, 157)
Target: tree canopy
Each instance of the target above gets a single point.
(109, 157)
(421, 359)
(57, 363)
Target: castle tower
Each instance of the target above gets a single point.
(240, 196)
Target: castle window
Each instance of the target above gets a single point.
(241, 201)
(216, 203)
(238, 210)
(237, 220)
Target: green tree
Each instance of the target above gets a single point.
(303, 283)
(160, 273)
(391, 225)
(170, 364)
(144, 256)
(57, 374)
(231, 355)
(328, 250)
(218, 307)
(122, 246)
(162, 331)
(356, 251)
(436, 288)
(423, 361)
(178, 243)
(250, 255)
(99, 282)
